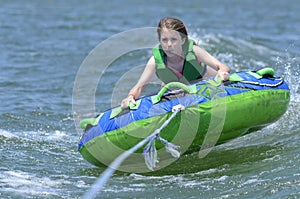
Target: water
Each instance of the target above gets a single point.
(43, 44)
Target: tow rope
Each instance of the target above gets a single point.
(150, 155)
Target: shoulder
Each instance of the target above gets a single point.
(151, 60)
(151, 63)
(197, 50)
(200, 52)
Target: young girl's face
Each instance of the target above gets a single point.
(171, 42)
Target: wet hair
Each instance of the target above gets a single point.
(172, 24)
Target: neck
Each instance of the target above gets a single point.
(175, 63)
(175, 59)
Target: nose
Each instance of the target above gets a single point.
(169, 43)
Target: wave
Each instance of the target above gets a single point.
(246, 54)
(7, 134)
(20, 183)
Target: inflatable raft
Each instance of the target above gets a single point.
(247, 102)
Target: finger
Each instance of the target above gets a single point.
(133, 101)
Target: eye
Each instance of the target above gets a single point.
(165, 40)
(173, 39)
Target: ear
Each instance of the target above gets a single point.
(183, 40)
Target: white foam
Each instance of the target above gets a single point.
(251, 181)
(7, 134)
(221, 179)
(56, 135)
(24, 183)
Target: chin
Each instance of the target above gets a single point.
(170, 53)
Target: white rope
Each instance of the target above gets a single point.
(105, 176)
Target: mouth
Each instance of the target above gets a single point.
(170, 51)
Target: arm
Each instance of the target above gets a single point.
(136, 91)
(215, 67)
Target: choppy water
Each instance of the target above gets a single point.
(43, 44)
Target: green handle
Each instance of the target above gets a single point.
(266, 71)
(116, 111)
(189, 89)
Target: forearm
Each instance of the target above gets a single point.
(223, 67)
(215, 63)
(136, 91)
(210, 60)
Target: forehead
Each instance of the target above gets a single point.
(169, 33)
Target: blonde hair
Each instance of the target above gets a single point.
(172, 24)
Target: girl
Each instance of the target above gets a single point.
(177, 58)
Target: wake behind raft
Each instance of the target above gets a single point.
(211, 113)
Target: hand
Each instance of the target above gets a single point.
(125, 102)
(223, 75)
